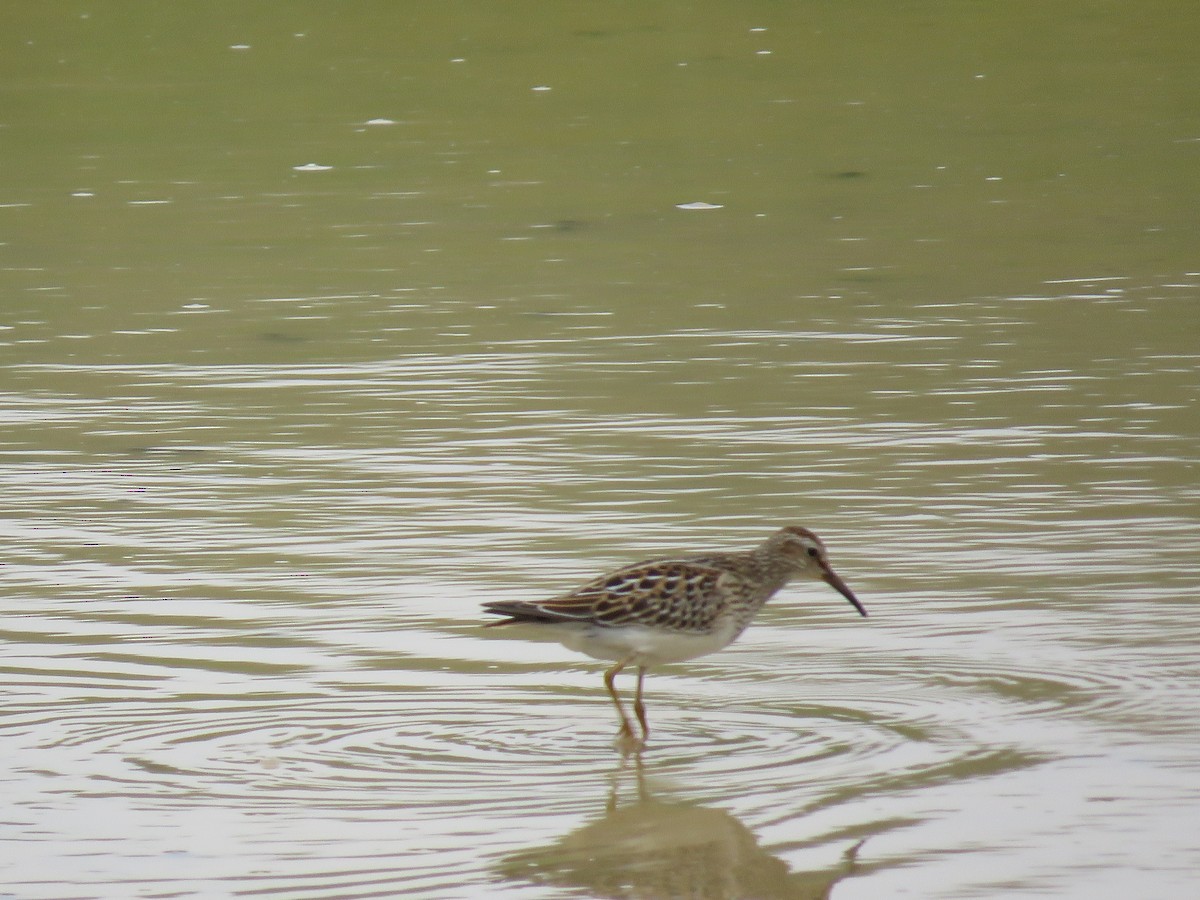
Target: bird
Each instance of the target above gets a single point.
(672, 609)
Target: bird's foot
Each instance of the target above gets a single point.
(629, 744)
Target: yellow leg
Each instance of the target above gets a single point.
(626, 728)
(639, 707)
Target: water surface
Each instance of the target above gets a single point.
(317, 332)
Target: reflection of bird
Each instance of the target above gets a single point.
(669, 849)
(672, 609)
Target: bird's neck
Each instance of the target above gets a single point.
(771, 569)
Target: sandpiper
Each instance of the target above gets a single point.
(672, 609)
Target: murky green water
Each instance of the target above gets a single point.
(320, 327)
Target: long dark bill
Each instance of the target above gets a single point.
(832, 579)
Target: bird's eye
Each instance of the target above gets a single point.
(812, 551)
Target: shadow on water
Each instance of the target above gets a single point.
(654, 844)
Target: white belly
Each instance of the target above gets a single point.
(642, 646)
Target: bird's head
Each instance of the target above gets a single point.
(804, 553)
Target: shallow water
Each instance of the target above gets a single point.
(264, 454)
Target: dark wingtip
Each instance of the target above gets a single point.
(500, 608)
(518, 613)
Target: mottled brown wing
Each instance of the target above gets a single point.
(667, 593)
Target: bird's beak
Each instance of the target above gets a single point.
(831, 578)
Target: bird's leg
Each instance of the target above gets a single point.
(626, 734)
(639, 707)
